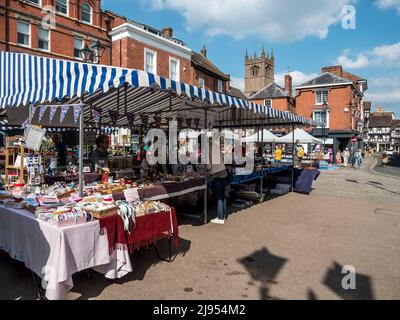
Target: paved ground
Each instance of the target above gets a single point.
(292, 247)
(392, 168)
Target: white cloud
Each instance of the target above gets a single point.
(237, 83)
(287, 22)
(297, 76)
(388, 4)
(387, 55)
(382, 97)
(361, 61)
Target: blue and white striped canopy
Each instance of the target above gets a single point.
(27, 79)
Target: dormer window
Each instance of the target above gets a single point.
(86, 13)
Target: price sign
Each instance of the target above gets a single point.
(33, 137)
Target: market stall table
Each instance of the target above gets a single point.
(88, 178)
(54, 253)
(166, 190)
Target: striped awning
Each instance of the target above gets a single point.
(34, 80)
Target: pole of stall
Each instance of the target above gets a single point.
(262, 162)
(293, 155)
(81, 137)
(205, 209)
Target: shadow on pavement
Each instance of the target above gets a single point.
(142, 261)
(263, 267)
(333, 280)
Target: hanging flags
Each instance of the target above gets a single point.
(96, 114)
(77, 112)
(28, 121)
(53, 110)
(42, 110)
(64, 110)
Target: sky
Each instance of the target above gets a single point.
(361, 35)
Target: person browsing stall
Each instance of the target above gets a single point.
(100, 156)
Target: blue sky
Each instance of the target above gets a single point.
(305, 36)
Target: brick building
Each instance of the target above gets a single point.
(142, 47)
(277, 97)
(28, 26)
(335, 99)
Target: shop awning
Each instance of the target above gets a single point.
(34, 80)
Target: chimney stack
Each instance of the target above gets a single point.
(204, 52)
(168, 32)
(336, 70)
(288, 85)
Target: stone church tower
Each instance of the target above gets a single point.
(259, 72)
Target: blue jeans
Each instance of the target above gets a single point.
(218, 187)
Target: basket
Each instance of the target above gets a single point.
(98, 214)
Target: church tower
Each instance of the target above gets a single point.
(259, 72)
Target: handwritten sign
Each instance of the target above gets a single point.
(33, 137)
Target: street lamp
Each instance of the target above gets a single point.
(94, 53)
(324, 109)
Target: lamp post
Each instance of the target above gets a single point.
(94, 53)
(324, 109)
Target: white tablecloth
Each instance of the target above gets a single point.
(55, 254)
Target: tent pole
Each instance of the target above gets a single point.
(262, 162)
(205, 209)
(81, 142)
(293, 155)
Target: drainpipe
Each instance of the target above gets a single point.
(7, 26)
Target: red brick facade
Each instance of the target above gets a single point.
(129, 53)
(62, 37)
(344, 106)
(283, 104)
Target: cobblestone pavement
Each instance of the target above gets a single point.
(291, 247)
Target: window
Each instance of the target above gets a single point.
(150, 61)
(35, 2)
(86, 13)
(174, 69)
(321, 117)
(268, 103)
(24, 33)
(78, 46)
(62, 6)
(220, 85)
(201, 83)
(322, 97)
(44, 39)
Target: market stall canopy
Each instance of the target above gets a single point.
(299, 135)
(265, 135)
(40, 81)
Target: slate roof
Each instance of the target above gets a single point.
(325, 78)
(270, 91)
(237, 93)
(203, 63)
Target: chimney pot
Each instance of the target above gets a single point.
(168, 32)
(204, 52)
(288, 85)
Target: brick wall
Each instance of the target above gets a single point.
(339, 99)
(132, 56)
(283, 104)
(62, 37)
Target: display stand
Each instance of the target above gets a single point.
(15, 148)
